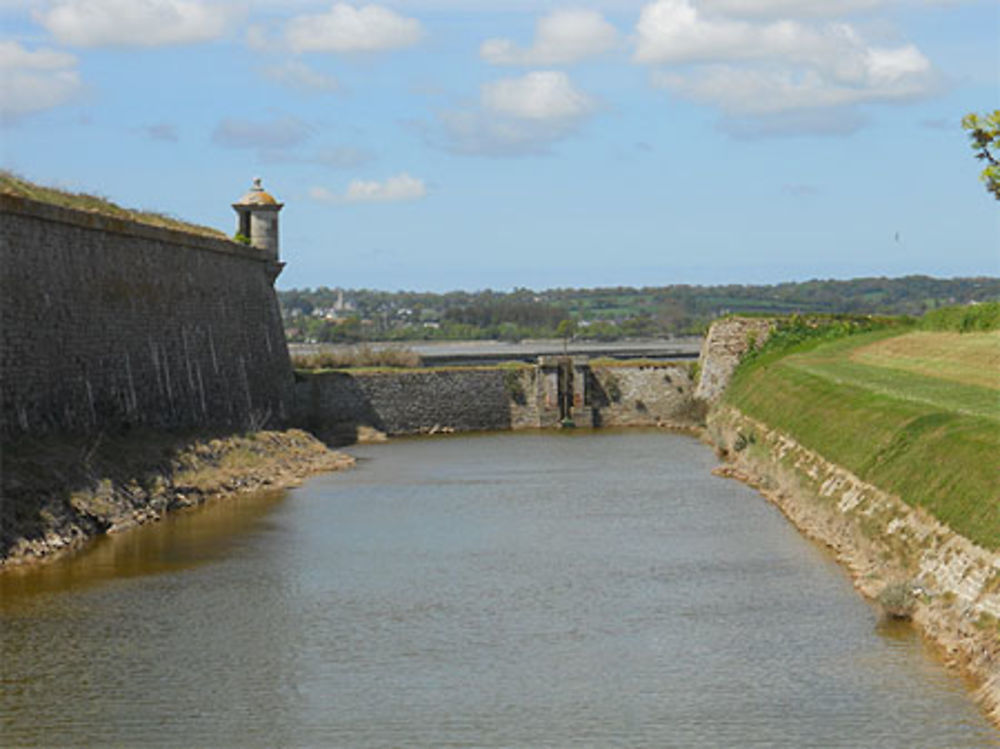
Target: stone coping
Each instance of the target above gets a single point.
(20, 206)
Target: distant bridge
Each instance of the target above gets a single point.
(444, 353)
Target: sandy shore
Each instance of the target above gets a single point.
(57, 496)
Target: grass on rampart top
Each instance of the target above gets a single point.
(502, 367)
(607, 361)
(11, 184)
(914, 412)
(360, 356)
(964, 319)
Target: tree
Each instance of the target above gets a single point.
(566, 329)
(984, 133)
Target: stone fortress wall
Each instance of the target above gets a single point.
(647, 394)
(728, 339)
(107, 324)
(335, 405)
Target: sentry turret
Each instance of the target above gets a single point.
(257, 219)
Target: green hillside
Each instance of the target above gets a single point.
(914, 411)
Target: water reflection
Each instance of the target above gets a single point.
(506, 590)
(179, 541)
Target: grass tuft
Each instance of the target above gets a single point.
(359, 356)
(12, 184)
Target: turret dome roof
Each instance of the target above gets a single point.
(257, 196)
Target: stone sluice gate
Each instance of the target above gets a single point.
(551, 393)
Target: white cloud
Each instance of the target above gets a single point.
(345, 28)
(400, 187)
(164, 131)
(275, 134)
(563, 36)
(259, 39)
(675, 31)
(763, 69)
(516, 116)
(13, 56)
(396, 189)
(751, 8)
(322, 195)
(477, 133)
(539, 95)
(823, 122)
(801, 189)
(134, 23)
(31, 81)
(297, 74)
(829, 8)
(768, 91)
(338, 157)
(342, 157)
(511, 6)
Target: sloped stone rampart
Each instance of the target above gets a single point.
(107, 324)
(727, 340)
(880, 539)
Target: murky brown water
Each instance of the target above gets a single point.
(586, 590)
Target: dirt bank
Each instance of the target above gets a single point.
(58, 494)
(949, 586)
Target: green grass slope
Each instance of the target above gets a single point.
(915, 412)
(11, 184)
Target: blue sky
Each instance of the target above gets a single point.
(439, 144)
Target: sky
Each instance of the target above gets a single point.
(472, 144)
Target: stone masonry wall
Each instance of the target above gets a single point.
(727, 340)
(641, 395)
(107, 324)
(334, 404)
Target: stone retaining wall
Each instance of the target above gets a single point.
(336, 404)
(727, 340)
(641, 395)
(954, 584)
(107, 324)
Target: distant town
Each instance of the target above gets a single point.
(335, 315)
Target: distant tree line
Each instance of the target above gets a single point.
(352, 315)
(521, 313)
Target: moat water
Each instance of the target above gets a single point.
(510, 590)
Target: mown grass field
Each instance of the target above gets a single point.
(962, 358)
(915, 413)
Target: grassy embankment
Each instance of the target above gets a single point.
(11, 184)
(365, 359)
(913, 409)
